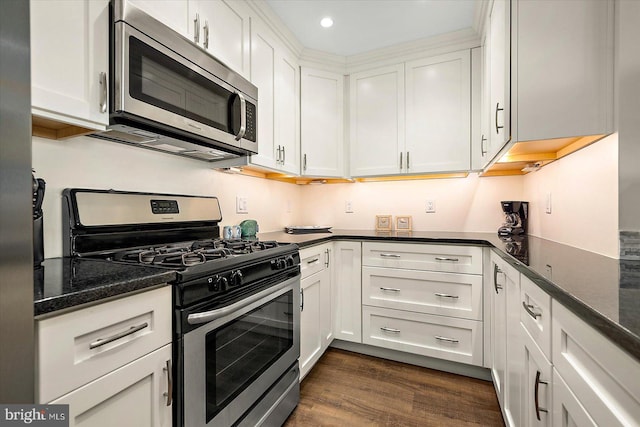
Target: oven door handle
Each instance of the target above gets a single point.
(208, 316)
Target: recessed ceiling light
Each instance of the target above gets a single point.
(326, 22)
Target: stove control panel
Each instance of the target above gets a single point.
(160, 207)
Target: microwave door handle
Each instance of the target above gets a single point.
(243, 116)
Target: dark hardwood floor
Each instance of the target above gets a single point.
(350, 389)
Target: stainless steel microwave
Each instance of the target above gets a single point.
(168, 94)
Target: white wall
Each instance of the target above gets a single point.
(91, 163)
(462, 204)
(584, 199)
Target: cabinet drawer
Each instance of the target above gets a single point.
(70, 353)
(535, 314)
(313, 259)
(459, 340)
(446, 294)
(447, 258)
(603, 377)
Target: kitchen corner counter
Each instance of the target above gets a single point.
(63, 283)
(603, 291)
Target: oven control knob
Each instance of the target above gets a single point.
(282, 264)
(222, 283)
(290, 261)
(236, 278)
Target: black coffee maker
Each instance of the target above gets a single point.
(516, 214)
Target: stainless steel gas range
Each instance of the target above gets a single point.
(237, 318)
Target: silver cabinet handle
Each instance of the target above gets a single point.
(408, 161)
(304, 162)
(496, 270)
(243, 113)
(278, 155)
(536, 401)
(301, 299)
(395, 331)
(390, 289)
(103, 92)
(205, 43)
(482, 149)
(446, 295)
(444, 258)
(498, 109)
(169, 393)
(132, 330)
(313, 260)
(328, 257)
(401, 160)
(284, 155)
(196, 28)
(529, 309)
(452, 340)
(390, 256)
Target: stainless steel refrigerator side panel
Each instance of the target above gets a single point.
(17, 348)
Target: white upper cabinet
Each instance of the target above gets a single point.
(321, 128)
(377, 121)
(563, 68)
(70, 61)
(277, 75)
(222, 27)
(438, 113)
(172, 13)
(479, 124)
(499, 62)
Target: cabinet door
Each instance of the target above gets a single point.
(224, 31)
(321, 133)
(438, 102)
(377, 121)
(498, 328)
(326, 301)
(288, 112)
(69, 61)
(172, 13)
(134, 395)
(310, 321)
(567, 409)
(554, 99)
(499, 66)
(537, 384)
(263, 75)
(514, 363)
(346, 291)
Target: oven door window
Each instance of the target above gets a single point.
(240, 351)
(159, 80)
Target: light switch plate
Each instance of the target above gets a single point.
(242, 205)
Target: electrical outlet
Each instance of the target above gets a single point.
(242, 205)
(548, 204)
(431, 206)
(348, 206)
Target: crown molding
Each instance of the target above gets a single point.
(480, 16)
(262, 10)
(444, 43)
(323, 60)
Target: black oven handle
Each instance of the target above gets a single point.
(208, 316)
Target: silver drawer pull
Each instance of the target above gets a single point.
(453, 340)
(390, 289)
(390, 255)
(313, 260)
(446, 295)
(444, 258)
(102, 341)
(529, 309)
(395, 331)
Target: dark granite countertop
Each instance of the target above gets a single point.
(63, 283)
(603, 291)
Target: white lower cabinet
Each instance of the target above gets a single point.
(136, 394)
(447, 338)
(110, 362)
(536, 385)
(346, 291)
(567, 410)
(498, 326)
(316, 326)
